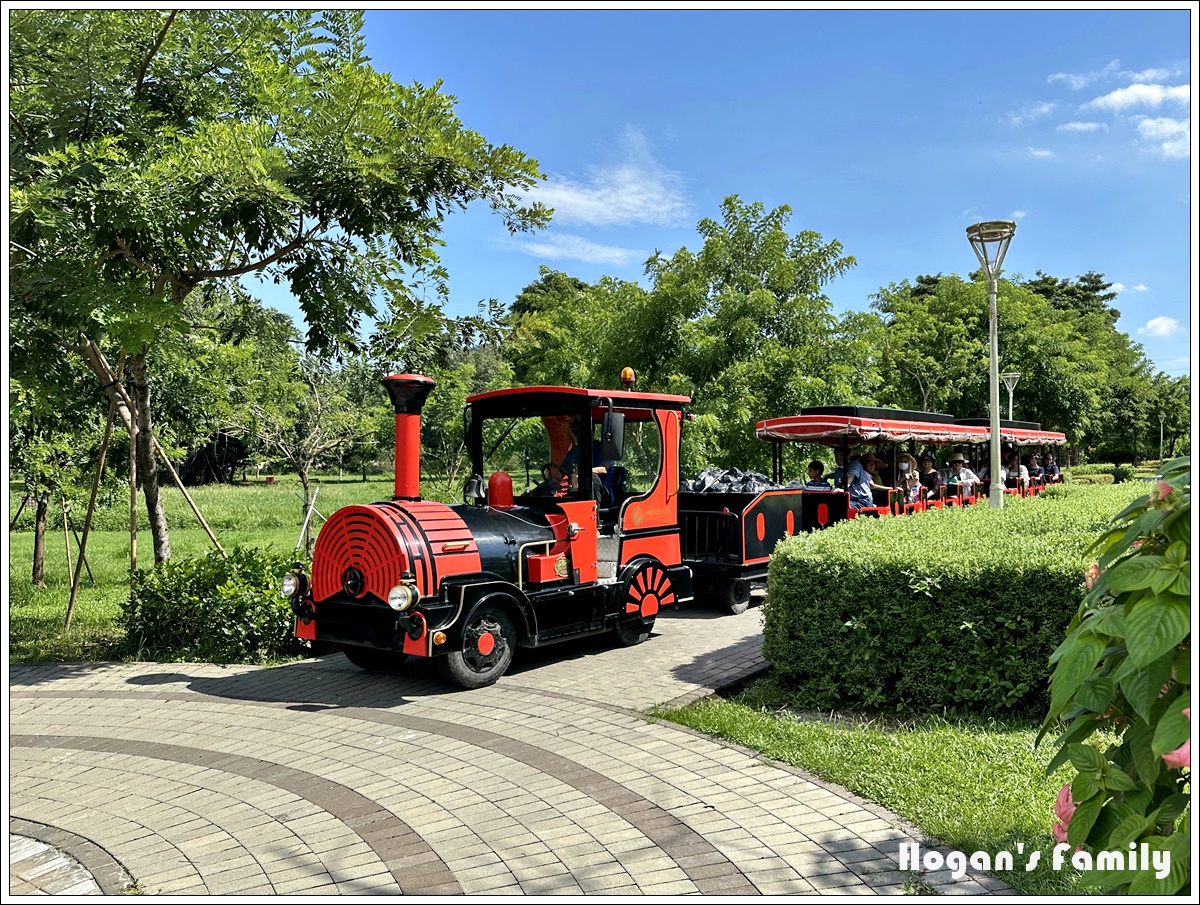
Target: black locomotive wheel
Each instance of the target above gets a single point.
(373, 659)
(633, 631)
(734, 594)
(487, 649)
(647, 589)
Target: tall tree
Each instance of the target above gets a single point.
(154, 152)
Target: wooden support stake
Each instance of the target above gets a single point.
(132, 500)
(87, 521)
(62, 499)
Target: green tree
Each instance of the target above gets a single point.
(155, 152)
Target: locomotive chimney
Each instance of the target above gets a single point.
(408, 392)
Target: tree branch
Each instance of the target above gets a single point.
(195, 276)
(141, 78)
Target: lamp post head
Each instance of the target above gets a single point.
(1010, 379)
(990, 240)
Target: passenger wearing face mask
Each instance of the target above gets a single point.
(909, 479)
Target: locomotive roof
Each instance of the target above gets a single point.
(567, 395)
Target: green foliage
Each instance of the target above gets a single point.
(1126, 665)
(1090, 479)
(953, 610)
(1116, 473)
(212, 608)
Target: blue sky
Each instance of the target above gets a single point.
(891, 131)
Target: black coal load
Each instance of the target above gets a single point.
(734, 480)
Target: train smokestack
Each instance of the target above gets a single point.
(408, 392)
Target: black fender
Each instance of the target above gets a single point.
(465, 595)
(680, 578)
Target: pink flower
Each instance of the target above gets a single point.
(1090, 576)
(1138, 543)
(1064, 805)
(1161, 491)
(1060, 831)
(1180, 758)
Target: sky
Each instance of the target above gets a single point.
(890, 131)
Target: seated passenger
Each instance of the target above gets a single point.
(910, 480)
(1015, 474)
(839, 473)
(931, 478)
(1051, 468)
(961, 474)
(1036, 472)
(861, 474)
(816, 479)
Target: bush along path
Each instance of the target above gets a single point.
(1126, 665)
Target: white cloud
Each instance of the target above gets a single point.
(1159, 327)
(1148, 75)
(1121, 287)
(1040, 153)
(1141, 95)
(1017, 215)
(1030, 112)
(553, 247)
(1079, 80)
(638, 190)
(1082, 127)
(1173, 135)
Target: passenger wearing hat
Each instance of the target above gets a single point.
(861, 477)
(931, 478)
(960, 474)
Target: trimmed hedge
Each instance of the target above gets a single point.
(1090, 479)
(213, 609)
(1119, 473)
(952, 610)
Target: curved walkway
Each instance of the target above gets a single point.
(315, 777)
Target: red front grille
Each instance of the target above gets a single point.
(366, 538)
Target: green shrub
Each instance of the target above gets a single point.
(1126, 666)
(1091, 479)
(213, 609)
(952, 610)
(1118, 473)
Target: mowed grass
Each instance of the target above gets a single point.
(975, 785)
(254, 514)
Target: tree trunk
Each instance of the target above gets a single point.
(39, 540)
(147, 463)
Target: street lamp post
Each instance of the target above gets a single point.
(1010, 379)
(1161, 418)
(990, 240)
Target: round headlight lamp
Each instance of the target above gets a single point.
(290, 585)
(402, 596)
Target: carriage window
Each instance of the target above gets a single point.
(519, 446)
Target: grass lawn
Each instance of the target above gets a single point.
(253, 514)
(975, 785)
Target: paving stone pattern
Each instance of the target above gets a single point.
(318, 778)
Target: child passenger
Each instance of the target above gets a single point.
(816, 476)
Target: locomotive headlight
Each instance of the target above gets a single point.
(289, 585)
(402, 596)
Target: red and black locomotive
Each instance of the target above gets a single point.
(586, 548)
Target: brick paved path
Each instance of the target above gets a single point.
(316, 777)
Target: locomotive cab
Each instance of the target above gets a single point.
(548, 546)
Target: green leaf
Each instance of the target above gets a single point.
(1085, 786)
(1144, 759)
(1143, 685)
(1083, 819)
(1173, 727)
(1079, 731)
(1095, 694)
(1132, 574)
(1118, 780)
(1075, 665)
(1182, 670)
(1087, 759)
(1178, 849)
(1155, 626)
(1127, 831)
